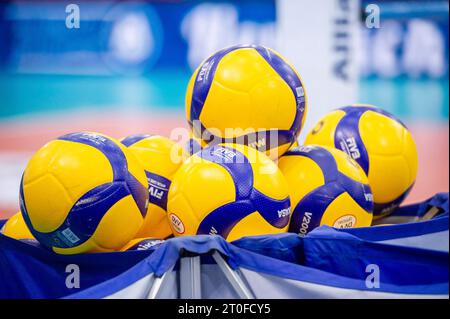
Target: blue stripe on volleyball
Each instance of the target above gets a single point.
(123, 184)
(158, 189)
(308, 212)
(348, 138)
(381, 209)
(235, 163)
(223, 219)
(291, 78)
(139, 193)
(192, 146)
(133, 139)
(361, 193)
(322, 157)
(84, 217)
(349, 109)
(118, 163)
(110, 149)
(89, 210)
(204, 79)
(316, 202)
(347, 134)
(275, 212)
(248, 200)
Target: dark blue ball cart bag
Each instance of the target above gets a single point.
(408, 259)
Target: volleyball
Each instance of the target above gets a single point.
(380, 143)
(229, 190)
(83, 192)
(247, 94)
(160, 157)
(327, 187)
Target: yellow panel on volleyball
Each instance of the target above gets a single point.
(209, 186)
(348, 166)
(161, 156)
(114, 230)
(267, 178)
(344, 212)
(241, 98)
(16, 228)
(253, 224)
(296, 178)
(134, 167)
(323, 132)
(392, 156)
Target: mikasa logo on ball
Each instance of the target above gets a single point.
(284, 212)
(177, 223)
(346, 221)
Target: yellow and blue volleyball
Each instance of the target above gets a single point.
(160, 157)
(83, 192)
(380, 143)
(247, 94)
(15, 227)
(327, 187)
(230, 190)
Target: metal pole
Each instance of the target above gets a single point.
(190, 281)
(233, 277)
(158, 284)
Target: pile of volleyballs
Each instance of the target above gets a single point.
(241, 174)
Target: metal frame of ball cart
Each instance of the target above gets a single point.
(190, 279)
(190, 268)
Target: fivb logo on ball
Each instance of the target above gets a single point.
(224, 155)
(350, 146)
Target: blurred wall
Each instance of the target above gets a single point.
(125, 67)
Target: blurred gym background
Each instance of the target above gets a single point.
(122, 67)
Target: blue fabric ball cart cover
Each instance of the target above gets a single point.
(412, 258)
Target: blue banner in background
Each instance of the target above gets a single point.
(127, 37)
(138, 37)
(404, 61)
(411, 39)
